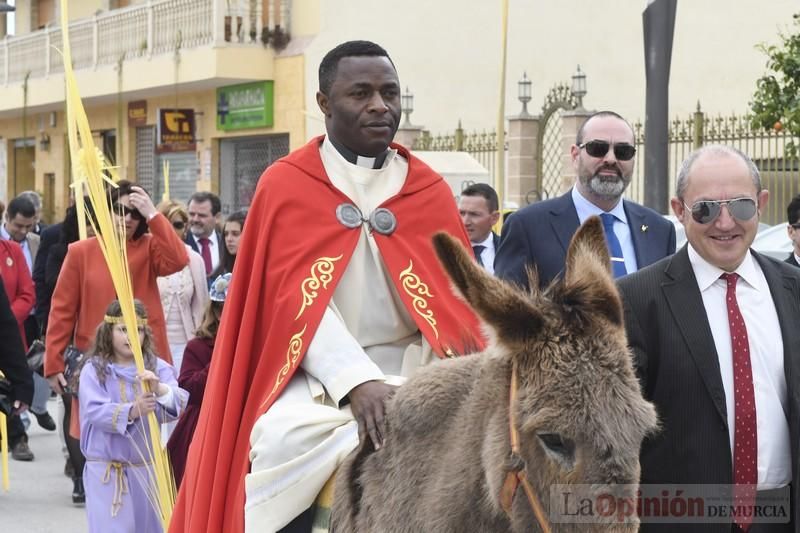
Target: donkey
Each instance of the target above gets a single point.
(552, 403)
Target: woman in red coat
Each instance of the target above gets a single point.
(17, 282)
(194, 372)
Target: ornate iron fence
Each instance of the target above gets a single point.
(480, 145)
(779, 174)
(550, 146)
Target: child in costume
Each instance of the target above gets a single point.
(115, 437)
(194, 373)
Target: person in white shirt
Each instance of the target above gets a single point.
(19, 221)
(479, 209)
(714, 334)
(793, 217)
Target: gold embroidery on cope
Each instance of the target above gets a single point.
(321, 274)
(418, 290)
(292, 354)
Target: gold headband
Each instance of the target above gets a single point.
(119, 320)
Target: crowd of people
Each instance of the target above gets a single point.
(338, 298)
(61, 300)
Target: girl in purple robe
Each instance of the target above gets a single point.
(115, 436)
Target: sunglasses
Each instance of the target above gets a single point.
(124, 210)
(178, 224)
(706, 211)
(796, 225)
(622, 151)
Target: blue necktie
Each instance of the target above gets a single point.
(614, 247)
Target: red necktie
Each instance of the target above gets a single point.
(205, 252)
(745, 437)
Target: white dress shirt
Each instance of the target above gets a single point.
(487, 254)
(766, 358)
(622, 229)
(213, 246)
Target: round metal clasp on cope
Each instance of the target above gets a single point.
(383, 221)
(349, 216)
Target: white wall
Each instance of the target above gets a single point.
(447, 52)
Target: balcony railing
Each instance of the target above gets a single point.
(138, 31)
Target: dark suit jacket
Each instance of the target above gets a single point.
(44, 291)
(193, 244)
(539, 235)
(12, 355)
(791, 260)
(678, 366)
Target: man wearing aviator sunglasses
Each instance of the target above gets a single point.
(716, 345)
(603, 159)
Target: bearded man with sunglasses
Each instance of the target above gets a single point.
(714, 334)
(539, 234)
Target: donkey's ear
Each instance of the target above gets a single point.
(588, 282)
(502, 306)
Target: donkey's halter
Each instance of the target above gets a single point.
(516, 473)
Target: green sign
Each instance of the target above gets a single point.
(248, 105)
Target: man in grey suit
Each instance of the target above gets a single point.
(714, 333)
(539, 234)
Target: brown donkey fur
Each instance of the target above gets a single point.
(579, 411)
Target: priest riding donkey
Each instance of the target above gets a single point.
(339, 296)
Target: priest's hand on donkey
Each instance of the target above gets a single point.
(367, 403)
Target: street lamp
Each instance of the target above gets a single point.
(407, 106)
(524, 93)
(579, 86)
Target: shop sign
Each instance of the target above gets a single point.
(248, 105)
(176, 130)
(137, 113)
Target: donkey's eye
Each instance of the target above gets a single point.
(557, 444)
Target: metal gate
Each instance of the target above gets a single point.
(550, 176)
(242, 161)
(145, 158)
(183, 171)
(551, 149)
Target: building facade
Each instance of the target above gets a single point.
(213, 88)
(242, 76)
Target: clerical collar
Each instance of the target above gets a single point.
(360, 160)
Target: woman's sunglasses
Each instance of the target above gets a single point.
(178, 224)
(124, 210)
(622, 151)
(707, 211)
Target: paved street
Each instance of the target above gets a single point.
(40, 496)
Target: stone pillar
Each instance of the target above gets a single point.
(407, 135)
(571, 123)
(523, 157)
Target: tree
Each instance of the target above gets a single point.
(776, 102)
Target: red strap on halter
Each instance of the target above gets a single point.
(516, 474)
